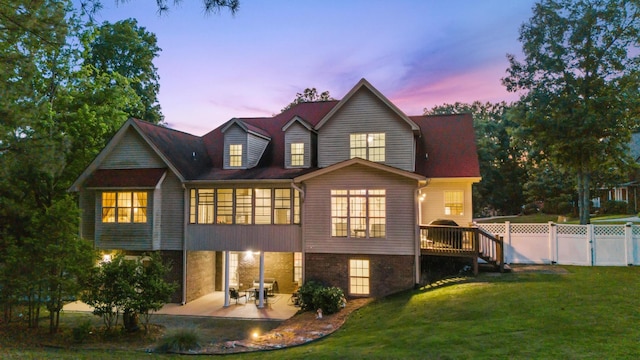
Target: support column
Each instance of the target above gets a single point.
(261, 287)
(226, 279)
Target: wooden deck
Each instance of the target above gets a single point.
(457, 241)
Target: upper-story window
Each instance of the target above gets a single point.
(124, 207)
(235, 155)
(358, 213)
(297, 154)
(244, 206)
(454, 202)
(368, 146)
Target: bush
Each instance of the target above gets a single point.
(180, 340)
(82, 332)
(530, 209)
(314, 296)
(614, 207)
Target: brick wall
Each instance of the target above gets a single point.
(200, 273)
(277, 265)
(388, 273)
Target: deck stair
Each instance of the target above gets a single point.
(458, 241)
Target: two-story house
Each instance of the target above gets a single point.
(330, 191)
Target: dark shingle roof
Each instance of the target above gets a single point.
(450, 143)
(125, 178)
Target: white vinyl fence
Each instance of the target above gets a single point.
(592, 245)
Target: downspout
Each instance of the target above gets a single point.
(184, 244)
(418, 212)
(302, 252)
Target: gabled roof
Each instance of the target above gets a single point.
(359, 161)
(251, 129)
(272, 161)
(363, 83)
(447, 140)
(299, 120)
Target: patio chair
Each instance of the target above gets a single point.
(234, 294)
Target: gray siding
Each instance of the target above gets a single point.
(297, 133)
(276, 238)
(87, 204)
(235, 135)
(132, 152)
(365, 113)
(129, 236)
(255, 148)
(400, 212)
(172, 213)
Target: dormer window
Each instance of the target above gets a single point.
(235, 155)
(297, 154)
(368, 146)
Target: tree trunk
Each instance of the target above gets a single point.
(584, 201)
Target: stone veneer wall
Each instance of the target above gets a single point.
(387, 274)
(201, 272)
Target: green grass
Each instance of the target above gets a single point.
(588, 313)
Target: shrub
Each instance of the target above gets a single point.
(82, 332)
(314, 296)
(530, 209)
(180, 340)
(614, 207)
(329, 299)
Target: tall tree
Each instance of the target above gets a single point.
(501, 157)
(309, 95)
(128, 50)
(579, 84)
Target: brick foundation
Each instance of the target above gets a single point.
(201, 272)
(277, 265)
(388, 273)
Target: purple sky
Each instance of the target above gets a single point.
(418, 53)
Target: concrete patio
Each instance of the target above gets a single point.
(276, 308)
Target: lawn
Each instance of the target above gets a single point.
(574, 313)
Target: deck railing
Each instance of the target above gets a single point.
(462, 241)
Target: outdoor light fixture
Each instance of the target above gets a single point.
(106, 258)
(255, 334)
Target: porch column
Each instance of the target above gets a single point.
(261, 288)
(226, 278)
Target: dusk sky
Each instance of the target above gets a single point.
(417, 53)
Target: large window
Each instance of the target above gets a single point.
(297, 267)
(368, 146)
(358, 277)
(358, 213)
(453, 203)
(244, 206)
(124, 207)
(297, 154)
(235, 155)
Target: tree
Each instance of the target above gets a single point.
(126, 49)
(579, 84)
(309, 95)
(153, 290)
(501, 157)
(210, 6)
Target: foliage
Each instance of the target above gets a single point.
(309, 95)
(81, 332)
(128, 50)
(615, 207)
(578, 84)
(314, 296)
(209, 6)
(501, 156)
(180, 340)
(130, 287)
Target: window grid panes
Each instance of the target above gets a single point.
(124, 207)
(454, 203)
(297, 154)
(282, 206)
(263, 206)
(205, 206)
(235, 155)
(297, 267)
(235, 206)
(224, 207)
(371, 147)
(233, 269)
(363, 210)
(359, 277)
(243, 206)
